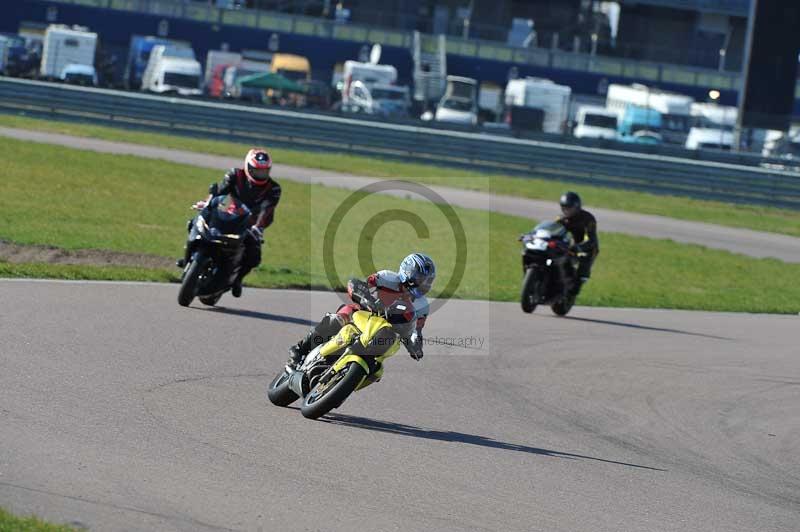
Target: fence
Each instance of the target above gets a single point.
(464, 149)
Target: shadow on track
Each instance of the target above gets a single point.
(257, 315)
(644, 327)
(459, 437)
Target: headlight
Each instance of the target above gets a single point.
(537, 245)
(201, 223)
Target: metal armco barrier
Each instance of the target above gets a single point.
(469, 150)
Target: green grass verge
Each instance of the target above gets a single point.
(125, 203)
(85, 273)
(751, 217)
(12, 523)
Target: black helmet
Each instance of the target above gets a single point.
(570, 200)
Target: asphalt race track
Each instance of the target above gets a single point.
(736, 240)
(122, 411)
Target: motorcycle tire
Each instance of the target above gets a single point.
(189, 283)
(563, 307)
(318, 403)
(278, 391)
(528, 291)
(210, 300)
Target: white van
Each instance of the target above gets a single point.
(712, 127)
(370, 88)
(172, 69)
(66, 46)
(459, 105)
(378, 99)
(709, 139)
(595, 122)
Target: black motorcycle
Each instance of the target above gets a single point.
(214, 250)
(550, 267)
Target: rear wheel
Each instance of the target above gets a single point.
(528, 291)
(279, 393)
(190, 278)
(324, 397)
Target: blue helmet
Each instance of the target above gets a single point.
(417, 272)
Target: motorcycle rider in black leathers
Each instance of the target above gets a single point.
(583, 227)
(253, 186)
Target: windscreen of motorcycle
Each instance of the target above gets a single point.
(548, 230)
(229, 214)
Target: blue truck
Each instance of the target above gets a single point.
(639, 125)
(15, 58)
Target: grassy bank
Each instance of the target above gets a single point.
(124, 203)
(751, 217)
(12, 523)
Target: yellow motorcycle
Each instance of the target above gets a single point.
(350, 361)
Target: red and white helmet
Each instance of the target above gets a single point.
(257, 165)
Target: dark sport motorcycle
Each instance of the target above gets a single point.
(214, 250)
(550, 267)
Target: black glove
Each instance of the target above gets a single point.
(376, 306)
(257, 233)
(358, 290)
(414, 346)
(361, 294)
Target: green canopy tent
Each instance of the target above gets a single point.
(270, 80)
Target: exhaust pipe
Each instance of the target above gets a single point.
(298, 383)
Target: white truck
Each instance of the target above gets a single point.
(172, 68)
(595, 122)
(537, 93)
(675, 109)
(64, 46)
(712, 127)
(459, 105)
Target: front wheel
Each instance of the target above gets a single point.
(528, 292)
(210, 300)
(563, 306)
(279, 393)
(189, 283)
(326, 396)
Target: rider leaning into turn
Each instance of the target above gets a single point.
(583, 227)
(252, 186)
(409, 284)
